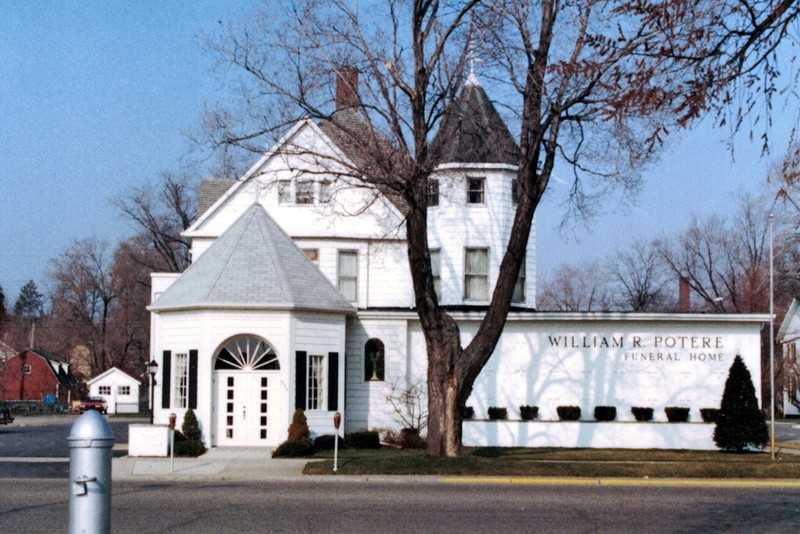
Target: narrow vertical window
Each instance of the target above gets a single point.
(475, 190)
(436, 271)
(304, 192)
(348, 274)
(315, 391)
(519, 287)
(181, 379)
(324, 192)
(476, 274)
(374, 361)
(432, 193)
(284, 192)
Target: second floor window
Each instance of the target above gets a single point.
(305, 192)
(348, 275)
(475, 190)
(324, 192)
(519, 287)
(476, 274)
(432, 194)
(284, 192)
(515, 192)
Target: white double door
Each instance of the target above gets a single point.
(246, 408)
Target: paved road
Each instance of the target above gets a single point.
(44, 437)
(359, 506)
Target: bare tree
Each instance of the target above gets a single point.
(160, 214)
(725, 263)
(641, 279)
(576, 288)
(596, 85)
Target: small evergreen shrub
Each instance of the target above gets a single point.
(740, 424)
(326, 442)
(467, 412)
(188, 440)
(528, 413)
(299, 427)
(363, 439)
(676, 414)
(642, 414)
(710, 415)
(605, 413)
(496, 413)
(569, 413)
(294, 448)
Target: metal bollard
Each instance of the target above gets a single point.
(90, 442)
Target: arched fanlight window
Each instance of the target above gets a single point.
(247, 353)
(374, 360)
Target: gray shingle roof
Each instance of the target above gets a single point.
(472, 131)
(253, 265)
(210, 191)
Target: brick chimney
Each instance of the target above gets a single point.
(684, 303)
(346, 88)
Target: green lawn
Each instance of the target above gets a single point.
(552, 462)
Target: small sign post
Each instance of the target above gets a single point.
(337, 421)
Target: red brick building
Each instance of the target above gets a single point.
(32, 375)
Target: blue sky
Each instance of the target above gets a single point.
(97, 98)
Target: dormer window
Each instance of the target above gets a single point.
(475, 190)
(432, 193)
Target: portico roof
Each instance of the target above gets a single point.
(253, 265)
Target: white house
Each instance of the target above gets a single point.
(789, 338)
(119, 389)
(299, 296)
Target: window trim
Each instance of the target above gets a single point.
(467, 297)
(180, 387)
(471, 191)
(316, 394)
(340, 277)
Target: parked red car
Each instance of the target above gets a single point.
(93, 403)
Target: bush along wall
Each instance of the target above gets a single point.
(298, 443)
(189, 441)
(528, 413)
(605, 413)
(569, 413)
(363, 439)
(710, 415)
(677, 414)
(496, 413)
(642, 414)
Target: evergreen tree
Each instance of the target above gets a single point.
(30, 303)
(741, 423)
(190, 426)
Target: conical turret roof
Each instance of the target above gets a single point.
(472, 131)
(253, 265)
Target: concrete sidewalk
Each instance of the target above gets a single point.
(216, 464)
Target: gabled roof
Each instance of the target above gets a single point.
(210, 191)
(253, 265)
(472, 131)
(109, 372)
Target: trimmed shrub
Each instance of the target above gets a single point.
(467, 412)
(188, 440)
(677, 414)
(294, 448)
(642, 414)
(741, 424)
(496, 413)
(363, 439)
(190, 426)
(569, 413)
(605, 413)
(528, 413)
(710, 415)
(326, 442)
(410, 439)
(299, 427)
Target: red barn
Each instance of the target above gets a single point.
(32, 375)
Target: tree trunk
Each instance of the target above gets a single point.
(444, 414)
